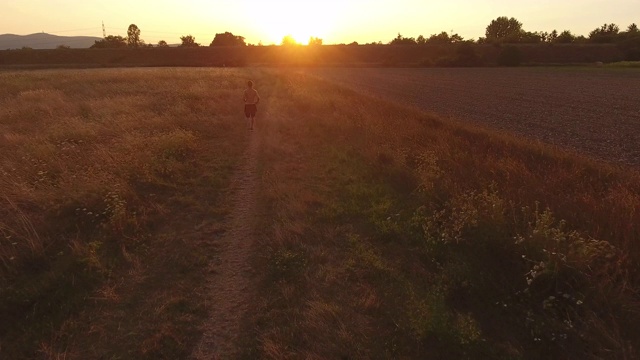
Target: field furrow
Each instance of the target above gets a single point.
(590, 111)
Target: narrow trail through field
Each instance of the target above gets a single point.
(230, 287)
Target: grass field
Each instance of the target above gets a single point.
(383, 231)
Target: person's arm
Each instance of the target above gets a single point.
(257, 97)
(244, 98)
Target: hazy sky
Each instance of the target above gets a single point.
(335, 21)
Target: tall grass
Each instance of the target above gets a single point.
(389, 232)
(100, 170)
(416, 237)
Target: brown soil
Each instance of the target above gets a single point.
(587, 110)
(231, 286)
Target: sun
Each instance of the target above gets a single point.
(298, 29)
(274, 23)
(302, 37)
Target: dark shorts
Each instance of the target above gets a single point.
(250, 110)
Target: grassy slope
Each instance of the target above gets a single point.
(111, 184)
(399, 235)
(392, 234)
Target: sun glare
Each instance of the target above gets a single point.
(297, 21)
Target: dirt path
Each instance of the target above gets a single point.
(230, 284)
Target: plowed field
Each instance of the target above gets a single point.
(593, 111)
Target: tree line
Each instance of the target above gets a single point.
(502, 30)
(133, 40)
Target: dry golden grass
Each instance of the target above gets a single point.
(396, 234)
(390, 233)
(104, 176)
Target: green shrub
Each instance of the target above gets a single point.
(510, 56)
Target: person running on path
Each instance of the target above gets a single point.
(251, 100)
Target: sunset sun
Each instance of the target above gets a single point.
(300, 24)
(299, 29)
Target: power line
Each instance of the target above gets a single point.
(62, 31)
(143, 31)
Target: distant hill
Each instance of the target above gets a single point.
(44, 41)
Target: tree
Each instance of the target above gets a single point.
(188, 41)
(565, 37)
(607, 33)
(162, 43)
(133, 36)
(442, 38)
(315, 41)
(629, 43)
(504, 30)
(528, 37)
(288, 40)
(400, 40)
(421, 40)
(227, 39)
(455, 38)
(109, 42)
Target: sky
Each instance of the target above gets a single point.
(334, 21)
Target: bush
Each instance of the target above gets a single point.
(426, 63)
(631, 48)
(466, 55)
(510, 56)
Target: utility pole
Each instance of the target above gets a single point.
(104, 32)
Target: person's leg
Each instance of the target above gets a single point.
(253, 115)
(247, 114)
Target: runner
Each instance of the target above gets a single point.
(251, 100)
